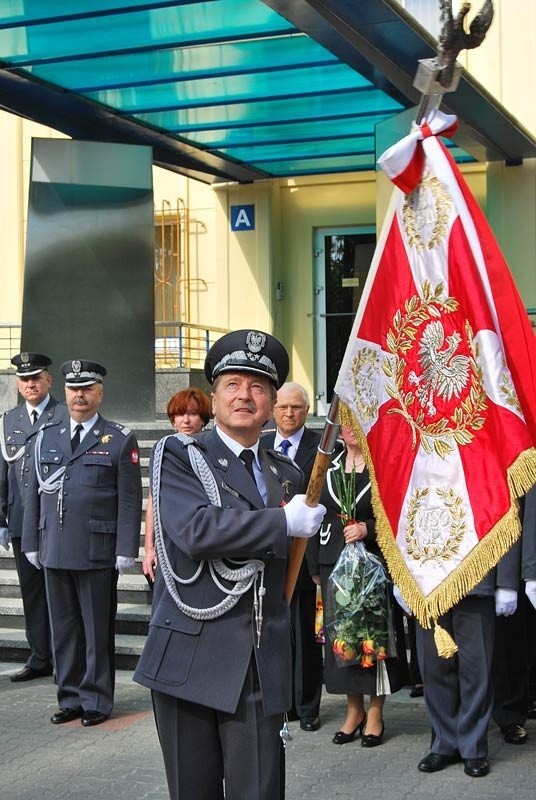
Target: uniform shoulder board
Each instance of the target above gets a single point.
(50, 423)
(124, 430)
(280, 457)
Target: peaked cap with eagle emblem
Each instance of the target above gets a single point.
(248, 351)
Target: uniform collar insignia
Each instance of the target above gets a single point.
(63, 430)
(223, 462)
(274, 469)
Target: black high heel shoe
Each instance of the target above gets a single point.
(371, 740)
(344, 738)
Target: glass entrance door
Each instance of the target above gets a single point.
(342, 258)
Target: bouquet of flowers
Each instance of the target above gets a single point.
(357, 606)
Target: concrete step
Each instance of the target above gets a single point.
(14, 647)
(130, 617)
(132, 586)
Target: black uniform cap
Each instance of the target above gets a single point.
(82, 373)
(30, 364)
(248, 351)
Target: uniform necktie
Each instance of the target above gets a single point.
(35, 416)
(285, 446)
(75, 441)
(247, 457)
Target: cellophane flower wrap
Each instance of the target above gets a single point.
(357, 609)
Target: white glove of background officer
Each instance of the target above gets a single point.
(122, 563)
(302, 520)
(505, 602)
(4, 538)
(33, 558)
(401, 602)
(530, 591)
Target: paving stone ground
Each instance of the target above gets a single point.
(120, 760)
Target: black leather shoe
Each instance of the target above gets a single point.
(514, 734)
(476, 767)
(417, 691)
(310, 724)
(434, 762)
(373, 739)
(345, 738)
(65, 715)
(92, 718)
(29, 674)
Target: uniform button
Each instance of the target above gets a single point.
(26, 469)
(167, 621)
(268, 553)
(67, 478)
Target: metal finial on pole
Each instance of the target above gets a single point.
(436, 76)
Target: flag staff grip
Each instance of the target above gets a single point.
(326, 448)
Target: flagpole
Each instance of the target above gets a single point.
(326, 448)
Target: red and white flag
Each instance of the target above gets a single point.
(439, 381)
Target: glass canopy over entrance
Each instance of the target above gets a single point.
(232, 89)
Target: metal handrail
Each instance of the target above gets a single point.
(177, 344)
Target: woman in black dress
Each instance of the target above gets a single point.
(323, 552)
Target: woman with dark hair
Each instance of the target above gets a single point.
(189, 411)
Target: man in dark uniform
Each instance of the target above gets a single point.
(458, 691)
(18, 429)
(82, 524)
(295, 440)
(218, 655)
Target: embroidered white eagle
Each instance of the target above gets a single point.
(444, 374)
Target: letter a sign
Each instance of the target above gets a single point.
(243, 218)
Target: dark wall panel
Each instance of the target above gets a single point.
(88, 284)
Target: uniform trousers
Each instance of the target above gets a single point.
(206, 750)
(34, 603)
(511, 666)
(458, 691)
(306, 655)
(83, 605)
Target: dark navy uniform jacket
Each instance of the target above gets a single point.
(206, 662)
(99, 515)
(19, 437)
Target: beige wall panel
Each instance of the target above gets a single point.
(512, 215)
(243, 258)
(308, 204)
(12, 209)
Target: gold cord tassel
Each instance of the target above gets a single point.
(445, 644)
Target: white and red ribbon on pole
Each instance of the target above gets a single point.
(403, 162)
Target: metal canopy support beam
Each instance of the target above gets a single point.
(379, 37)
(82, 119)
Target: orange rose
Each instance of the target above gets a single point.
(368, 646)
(367, 661)
(382, 654)
(344, 650)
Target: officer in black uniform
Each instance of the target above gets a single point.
(218, 655)
(82, 524)
(18, 429)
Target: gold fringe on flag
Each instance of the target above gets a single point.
(475, 566)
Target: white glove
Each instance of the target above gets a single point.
(122, 563)
(401, 602)
(4, 538)
(33, 558)
(530, 591)
(505, 602)
(302, 520)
